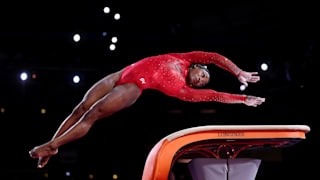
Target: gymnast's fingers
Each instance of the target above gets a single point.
(260, 101)
(254, 79)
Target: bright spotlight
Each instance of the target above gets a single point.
(68, 173)
(264, 67)
(112, 47)
(23, 76)
(76, 79)
(242, 87)
(117, 16)
(114, 39)
(76, 38)
(106, 10)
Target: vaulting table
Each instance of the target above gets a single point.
(217, 142)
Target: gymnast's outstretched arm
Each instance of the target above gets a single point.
(200, 57)
(197, 95)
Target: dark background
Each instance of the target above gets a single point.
(36, 37)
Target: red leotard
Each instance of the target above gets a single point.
(167, 73)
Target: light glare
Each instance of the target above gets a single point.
(76, 38)
(117, 16)
(43, 111)
(112, 47)
(242, 87)
(106, 10)
(76, 79)
(114, 39)
(23, 76)
(115, 176)
(264, 67)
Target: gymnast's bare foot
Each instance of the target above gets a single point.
(43, 161)
(43, 150)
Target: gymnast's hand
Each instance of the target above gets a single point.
(245, 77)
(254, 101)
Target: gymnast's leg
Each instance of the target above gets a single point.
(119, 98)
(97, 91)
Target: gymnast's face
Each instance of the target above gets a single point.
(198, 77)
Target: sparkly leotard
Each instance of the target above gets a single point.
(167, 73)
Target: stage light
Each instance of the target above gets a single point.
(34, 76)
(91, 176)
(45, 175)
(76, 38)
(264, 67)
(104, 34)
(2, 110)
(106, 10)
(68, 173)
(43, 111)
(115, 176)
(114, 39)
(76, 79)
(117, 16)
(23, 76)
(112, 47)
(242, 87)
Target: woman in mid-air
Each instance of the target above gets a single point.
(173, 74)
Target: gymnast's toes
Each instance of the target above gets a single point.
(42, 151)
(33, 153)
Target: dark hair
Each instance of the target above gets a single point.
(204, 67)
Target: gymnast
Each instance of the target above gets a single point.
(173, 74)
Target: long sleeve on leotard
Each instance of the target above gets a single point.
(200, 57)
(197, 95)
(167, 73)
